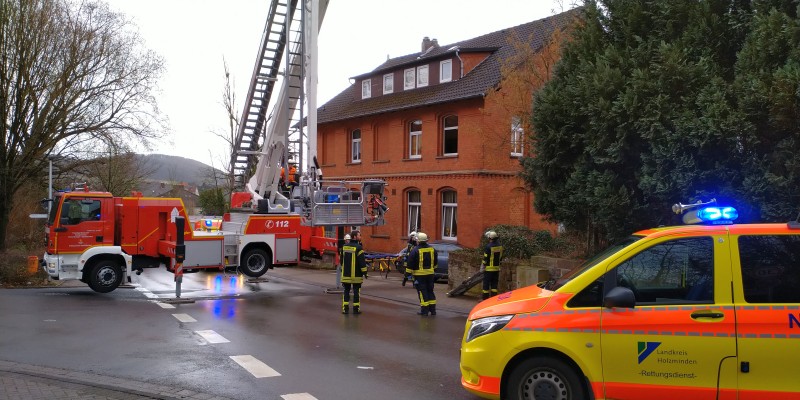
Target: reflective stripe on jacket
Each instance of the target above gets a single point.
(354, 264)
(422, 260)
(492, 255)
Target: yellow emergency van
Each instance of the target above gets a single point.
(709, 311)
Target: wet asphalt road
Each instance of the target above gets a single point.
(294, 329)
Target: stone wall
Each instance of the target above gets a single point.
(513, 273)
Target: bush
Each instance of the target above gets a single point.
(14, 270)
(522, 242)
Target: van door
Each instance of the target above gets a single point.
(674, 342)
(768, 313)
(83, 223)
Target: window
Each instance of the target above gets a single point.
(366, 88)
(517, 135)
(674, 272)
(770, 268)
(422, 76)
(355, 146)
(388, 83)
(449, 220)
(76, 211)
(414, 208)
(409, 79)
(445, 71)
(415, 139)
(450, 136)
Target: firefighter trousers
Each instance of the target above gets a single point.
(490, 279)
(346, 294)
(425, 290)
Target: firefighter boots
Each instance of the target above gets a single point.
(356, 310)
(423, 310)
(432, 308)
(346, 310)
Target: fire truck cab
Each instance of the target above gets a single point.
(707, 311)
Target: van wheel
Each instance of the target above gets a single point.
(105, 276)
(255, 263)
(545, 378)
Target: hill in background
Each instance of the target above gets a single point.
(168, 168)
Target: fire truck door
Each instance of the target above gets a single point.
(84, 223)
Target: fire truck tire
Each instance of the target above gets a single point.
(545, 378)
(255, 263)
(105, 276)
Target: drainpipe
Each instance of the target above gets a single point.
(460, 64)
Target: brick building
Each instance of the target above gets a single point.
(419, 122)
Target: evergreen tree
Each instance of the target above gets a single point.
(658, 102)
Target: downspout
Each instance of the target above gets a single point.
(460, 65)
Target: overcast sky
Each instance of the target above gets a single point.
(356, 36)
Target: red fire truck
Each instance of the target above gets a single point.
(101, 239)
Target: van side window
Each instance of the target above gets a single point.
(76, 211)
(770, 268)
(678, 271)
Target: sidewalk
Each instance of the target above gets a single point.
(378, 286)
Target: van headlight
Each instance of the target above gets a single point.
(485, 326)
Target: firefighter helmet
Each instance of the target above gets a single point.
(422, 237)
(491, 235)
(347, 237)
(413, 234)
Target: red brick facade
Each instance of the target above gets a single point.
(483, 174)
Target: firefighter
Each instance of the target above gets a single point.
(412, 242)
(354, 270)
(421, 263)
(492, 256)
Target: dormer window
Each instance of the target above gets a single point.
(445, 71)
(422, 76)
(366, 88)
(388, 83)
(409, 79)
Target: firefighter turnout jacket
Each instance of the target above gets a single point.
(492, 255)
(354, 263)
(422, 260)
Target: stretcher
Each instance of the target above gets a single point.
(381, 262)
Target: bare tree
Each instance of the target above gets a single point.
(231, 112)
(114, 169)
(70, 73)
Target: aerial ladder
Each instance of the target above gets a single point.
(287, 58)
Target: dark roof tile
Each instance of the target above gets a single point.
(476, 83)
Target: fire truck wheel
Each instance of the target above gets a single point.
(255, 263)
(105, 276)
(545, 378)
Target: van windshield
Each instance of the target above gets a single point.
(554, 284)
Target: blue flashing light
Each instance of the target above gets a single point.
(717, 215)
(208, 222)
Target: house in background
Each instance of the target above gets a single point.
(419, 122)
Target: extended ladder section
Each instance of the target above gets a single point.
(280, 18)
(257, 167)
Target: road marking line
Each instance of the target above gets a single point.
(255, 367)
(150, 295)
(212, 337)
(298, 396)
(184, 318)
(164, 305)
(142, 289)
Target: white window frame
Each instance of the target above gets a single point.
(409, 79)
(517, 137)
(366, 88)
(422, 76)
(445, 71)
(355, 146)
(450, 217)
(414, 212)
(445, 130)
(415, 138)
(388, 83)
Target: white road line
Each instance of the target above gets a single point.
(142, 289)
(212, 337)
(184, 318)
(255, 367)
(298, 396)
(150, 295)
(164, 305)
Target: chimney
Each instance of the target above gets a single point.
(426, 42)
(434, 43)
